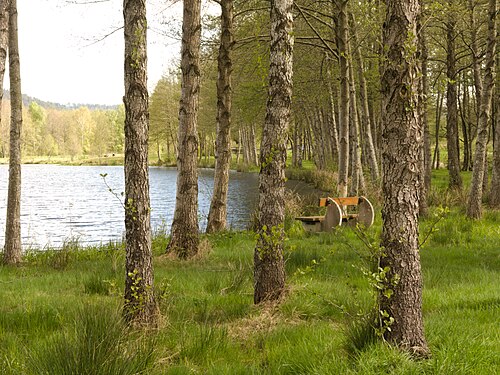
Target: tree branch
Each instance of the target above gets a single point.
(316, 32)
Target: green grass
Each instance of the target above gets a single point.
(60, 310)
(61, 316)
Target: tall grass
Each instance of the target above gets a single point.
(97, 342)
(66, 320)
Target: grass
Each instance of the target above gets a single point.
(55, 317)
(60, 309)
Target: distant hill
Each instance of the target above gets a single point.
(27, 100)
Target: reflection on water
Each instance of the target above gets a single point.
(62, 202)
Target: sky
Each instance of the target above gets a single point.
(63, 61)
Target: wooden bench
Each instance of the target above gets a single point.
(338, 211)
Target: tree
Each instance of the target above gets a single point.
(401, 298)
(342, 40)
(269, 266)
(218, 206)
(476, 194)
(140, 305)
(455, 180)
(494, 197)
(4, 44)
(365, 113)
(422, 93)
(163, 115)
(12, 249)
(184, 238)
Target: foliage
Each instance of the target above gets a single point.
(53, 132)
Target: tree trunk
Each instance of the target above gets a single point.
(439, 107)
(476, 61)
(239, 147)
(218, 207)
(463, 110)
(357, 179)
(494, 196)
(474, 207)
(297, 145)
(140, 305)
(12, 249)
(269, 266)
(455, 180)
(325, 137)
(341, 39)
(184, 239)
(423, 91)
(319, 139)
(333, 129)
(253, 145)
(4, 44)
(365, 112)
(401, 297)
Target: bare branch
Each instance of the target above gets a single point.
(104, 37)
(316, 32)
(87, 2)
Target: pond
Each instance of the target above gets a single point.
(60, 203)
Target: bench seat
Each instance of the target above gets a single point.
(336, 214)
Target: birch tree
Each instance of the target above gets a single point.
(401, 297)
(184, 238)
(474, 206)
(341, 38)
(218, 207)
(455, 180)
(12, 249)
(269, 266)
(140, 305)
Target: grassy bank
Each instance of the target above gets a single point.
(60, 309)
(118, 159)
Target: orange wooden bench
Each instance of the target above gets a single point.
(350, 210)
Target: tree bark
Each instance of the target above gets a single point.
(239, 147)
(184, 240)
(401, 298)
(12, 249)
(341, 39)
(455, 180)
(140, 305)
(333, 128)
(269, 266)
(476, 61)
(357, 177)
(253, 145)
(474, 206)
(423, 91)
(463, 110)
(217, 215)
(4, 43)
(439, 106)
(365, 112)
(494, 196)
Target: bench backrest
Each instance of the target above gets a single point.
(347, 201)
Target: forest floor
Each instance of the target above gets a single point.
(59, 311)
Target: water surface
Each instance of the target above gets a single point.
(59, 203)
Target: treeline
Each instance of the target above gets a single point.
(453, 63)
(72, 132)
